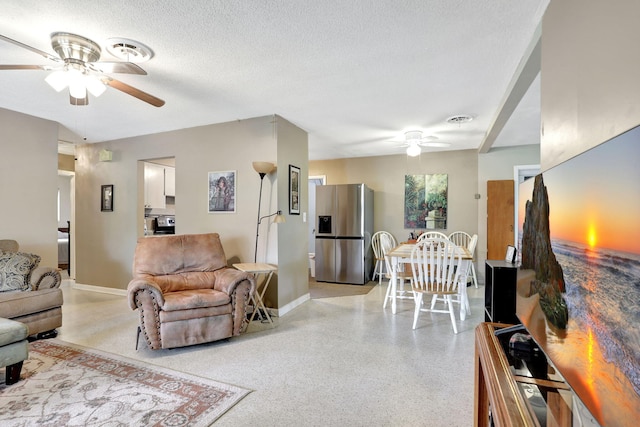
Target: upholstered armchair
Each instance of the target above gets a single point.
(184, 291)
(29, 293)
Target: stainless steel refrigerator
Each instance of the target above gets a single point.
(344, 225)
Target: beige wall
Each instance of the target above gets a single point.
(589, 76)
(385, 175)
(28, 184)
(106, 240)
(293, 259)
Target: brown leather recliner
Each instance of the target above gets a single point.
(185, 292)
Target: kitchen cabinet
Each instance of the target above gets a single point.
(154, 197)
(169, 181)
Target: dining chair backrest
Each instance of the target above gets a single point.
(393, 240)
(436, 266)
(386, 238)
(375, 244)
(387, 242)
(432, 235)
(472, 244)
(460, 238)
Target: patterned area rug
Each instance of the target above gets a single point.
(67, 385)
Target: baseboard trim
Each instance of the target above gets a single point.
(293, 304)
(100, 289)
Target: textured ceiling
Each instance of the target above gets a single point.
(354, 74)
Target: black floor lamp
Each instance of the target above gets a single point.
(263, 168)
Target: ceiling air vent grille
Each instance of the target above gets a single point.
(459, 119)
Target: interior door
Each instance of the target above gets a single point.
(500, 217)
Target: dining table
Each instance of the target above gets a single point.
(401, 254)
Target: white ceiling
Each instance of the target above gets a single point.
(355, 74)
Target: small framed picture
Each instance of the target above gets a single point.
(511, 254)
(222, 192)
(106, 198)
(294, 190)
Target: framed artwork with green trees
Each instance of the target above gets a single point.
(425, 201)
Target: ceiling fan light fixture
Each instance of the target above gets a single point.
(77, 89)
(413, 150)
(58, 80)
(94, 85)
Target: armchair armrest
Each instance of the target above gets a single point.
(45, 278)
(227, 279)
(139, 286)
(149, 295)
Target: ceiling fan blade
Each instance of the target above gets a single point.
(25, 67)
(117, 67)
(130, 90)
(433, 144)
(32, 49)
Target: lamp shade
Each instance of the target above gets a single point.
(263, 167)
(279, 219)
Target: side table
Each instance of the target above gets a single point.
(258, 269)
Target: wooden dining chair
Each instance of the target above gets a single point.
(432, 235)
(380, 267)
(404, 275)
(436, 267)
(464, 239)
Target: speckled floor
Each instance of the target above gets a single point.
(340, 361)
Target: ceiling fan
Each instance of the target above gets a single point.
(77, 67)
(414, 141)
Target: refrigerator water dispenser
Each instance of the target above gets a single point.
(324, 224)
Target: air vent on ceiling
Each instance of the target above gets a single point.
(459, 119)
(129, 50)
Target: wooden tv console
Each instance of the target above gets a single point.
(499, 398)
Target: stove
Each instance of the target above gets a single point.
(165, 224)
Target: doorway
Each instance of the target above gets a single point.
(158, 209)
(66, 222)
(313, 182)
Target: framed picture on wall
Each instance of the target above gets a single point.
(426, 201)
(222, 192)
(294, 190)
(106, 198)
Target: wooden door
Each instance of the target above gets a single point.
(500, 217)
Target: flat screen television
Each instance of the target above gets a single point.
(586, 315)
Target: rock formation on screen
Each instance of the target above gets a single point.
(538, 255)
